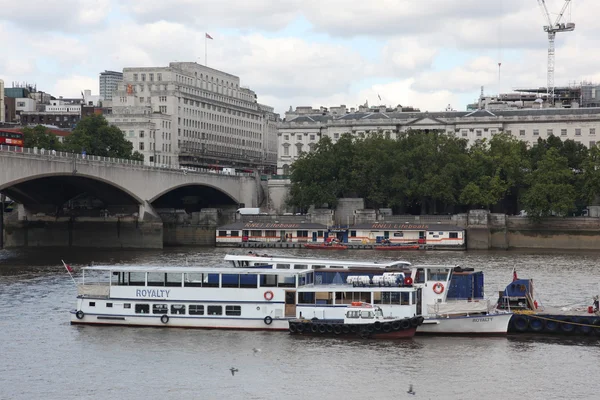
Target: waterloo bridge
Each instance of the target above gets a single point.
(66, 199)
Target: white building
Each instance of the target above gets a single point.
(196, 112)
(304, 131)
(2, 101)
(109, 82)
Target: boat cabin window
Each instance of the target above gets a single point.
(437, 274)
(395, 298)
(310, 278)
(142, 309)
(378, 313)
(137, 278)
(173, 279)
(156, 279)
(300, 266)
(324, 298)
(318, 266)
(268, 280)
(230, 280)
(349, 297)
(283, 266)
(196, 309)
(159, 309)
(233, 310)
(353, 314)
(249, 281)
(214, 310)
(420, 275)
(178, 309)
(286, 281)
(306, 298)
(193, 279)
(92, 304)
(210, 280)
(126, 305)
(366, 314)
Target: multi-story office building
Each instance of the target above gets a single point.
(304, 130)
(190, 114)
(109, 80)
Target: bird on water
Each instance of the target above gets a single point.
(233, 371)
(410, 390)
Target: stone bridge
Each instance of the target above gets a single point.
(44, 182)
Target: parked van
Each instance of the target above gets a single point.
(248, 211)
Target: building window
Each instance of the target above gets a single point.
(478, 132)
(233, 310)
(143, 77)
(135, 77)
(536, 132)
(299, 137)
(159, 76)
(286, 151)
(592, 131)
(493, 131)
(577, 131)
(522, 132)
(509, 132)
(592, 143)
(563, 132)
(464, 133)
(151, 76)
(336, 135)
(141, 134)
(141, 145)
(312, 137)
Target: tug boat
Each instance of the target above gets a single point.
(530, 316)
(362, 320)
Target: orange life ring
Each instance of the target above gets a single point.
(268, 295)
(438, 288)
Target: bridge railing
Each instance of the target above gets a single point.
(35, 152)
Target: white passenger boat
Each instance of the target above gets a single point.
(226, 298)
(470, 315)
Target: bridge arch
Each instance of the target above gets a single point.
(56, 187)
(198, 195)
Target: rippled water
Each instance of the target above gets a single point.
(42, 356)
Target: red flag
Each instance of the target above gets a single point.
(208, 36)
(68, 267)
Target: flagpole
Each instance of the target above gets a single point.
(205, 52)
(69, 272)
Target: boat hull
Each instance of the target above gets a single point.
(396, 329)
(324, 247)
(396, 248)
(491, 324)
(567, 324)
(277, 324)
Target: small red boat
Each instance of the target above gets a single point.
(326, 246)
(398, 247)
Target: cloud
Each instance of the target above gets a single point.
(56, 15)
(72, 86)
(205, 14)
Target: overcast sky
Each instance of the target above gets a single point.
(423, 53)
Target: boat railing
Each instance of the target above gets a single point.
(93, 289)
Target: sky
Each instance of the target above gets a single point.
(429, 54)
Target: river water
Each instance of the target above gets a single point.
(43, 356)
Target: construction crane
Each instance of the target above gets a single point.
(552, 29)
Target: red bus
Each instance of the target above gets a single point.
(11, 138)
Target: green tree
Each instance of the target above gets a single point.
(40, 137)
(551, 190)
(96, 137)
(591, 176)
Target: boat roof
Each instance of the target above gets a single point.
(182, 269)
(316, 261)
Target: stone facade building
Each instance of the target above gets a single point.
(195, 115)
(304, 130)
(109, 81)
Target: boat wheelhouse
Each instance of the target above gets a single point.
(309, 263)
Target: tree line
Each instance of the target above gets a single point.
(92, 135)
(431, 172)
